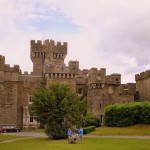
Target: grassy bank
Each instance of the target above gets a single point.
(132, 130)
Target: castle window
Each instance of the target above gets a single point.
(100, 105)
(43, 55)
(26, 117)
(98, 86)
(30, 98)
(79, 91)
(31, 117)
(117, 79)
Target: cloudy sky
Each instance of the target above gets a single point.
(111, 34)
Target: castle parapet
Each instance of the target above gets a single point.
(25, 72)
(2, 62)
(61, 47)
(96, 76)
(127, 89)
(74, 67)
(36, 46)
(114, 78)
(15, 68)
(85, 72)
(142, 75)
(57, 48)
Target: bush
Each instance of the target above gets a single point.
(56, 131)
(88, 129)
(127, 114)
(91, 120)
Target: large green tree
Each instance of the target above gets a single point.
(57, 107)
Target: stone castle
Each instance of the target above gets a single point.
(16, 88)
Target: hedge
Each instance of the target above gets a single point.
(88, 129)
(91, 120)
(127, 114)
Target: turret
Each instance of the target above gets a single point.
(37, 57)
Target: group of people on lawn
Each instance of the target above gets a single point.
(73, 135)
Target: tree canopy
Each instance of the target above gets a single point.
(57, 107)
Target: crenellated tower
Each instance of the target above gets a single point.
(143, 85)
(46, 56)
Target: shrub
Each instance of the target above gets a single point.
(88, 129)
(127, 114)
(91, 120)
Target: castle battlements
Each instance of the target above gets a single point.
(2, 57)
(142, 75)
(15, 68)
(26, 73)
(48, 44)
(114, 78)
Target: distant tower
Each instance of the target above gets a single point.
(47, 57)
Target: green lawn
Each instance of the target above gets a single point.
(9, 137)
(88, 144)
(133, 130)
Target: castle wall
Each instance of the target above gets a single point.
(8, 103)
(143, 85)
(27, 84)
(8, 96)
(104, 90)
(100, 97)
(63, 79)
(48, 66)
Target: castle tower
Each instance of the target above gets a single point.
(54, 56)
(37, 57)
(143, 85)
(47, 56)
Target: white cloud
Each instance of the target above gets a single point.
(112, 34)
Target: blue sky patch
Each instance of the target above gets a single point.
(56, 26)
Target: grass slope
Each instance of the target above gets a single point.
(132, 130)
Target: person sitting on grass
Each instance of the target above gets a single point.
(74, 137)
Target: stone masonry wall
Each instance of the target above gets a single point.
(143, 85)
